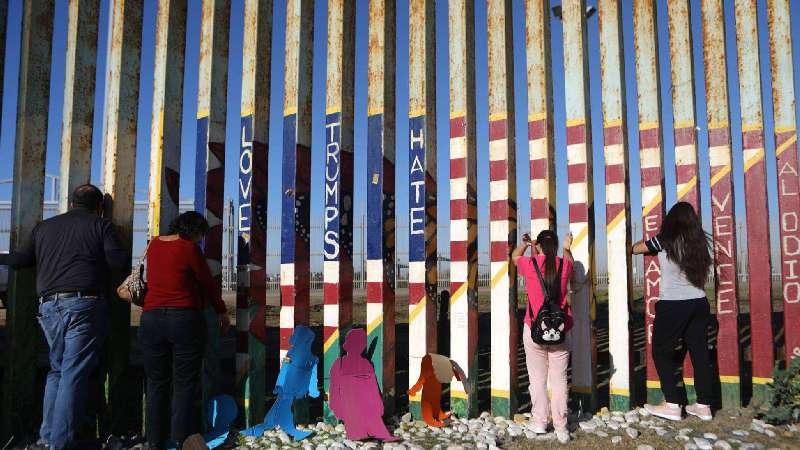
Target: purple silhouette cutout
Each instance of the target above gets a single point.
(355, 398)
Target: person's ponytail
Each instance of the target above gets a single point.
(548, 241)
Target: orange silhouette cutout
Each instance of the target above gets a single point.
(435, 370)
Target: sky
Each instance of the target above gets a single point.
(320, 42)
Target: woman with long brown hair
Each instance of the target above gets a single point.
(682, 310)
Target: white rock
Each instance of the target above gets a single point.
(613, 425)
(643, 412)
(644, 447)
(740, 433)
(685, 431)
(759, 422)
(633, 433)
(600, 433)
(769, 432)
(616, 439)
(322, 447)
(689, 446)
(710, 436)
(406, 418)
(484, 415)
(589, 425)
(530, 434)
(723, 444)
(661, 432)
(631, 417)
(682, 437)
(702, 443)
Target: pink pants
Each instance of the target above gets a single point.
(547, 362)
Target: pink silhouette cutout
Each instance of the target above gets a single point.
(355, 398)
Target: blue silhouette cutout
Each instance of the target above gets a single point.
(297, 378)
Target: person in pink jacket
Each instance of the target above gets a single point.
(547, 364)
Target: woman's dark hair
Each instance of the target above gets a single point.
(188, 225)
(548, 241)
(686, 244)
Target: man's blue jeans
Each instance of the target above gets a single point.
(75, 329)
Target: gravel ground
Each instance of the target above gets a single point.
(631, 430)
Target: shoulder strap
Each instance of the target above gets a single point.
(143, 258)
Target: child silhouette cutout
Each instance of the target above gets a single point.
(297, 378)
(355, 398)
(434, 371)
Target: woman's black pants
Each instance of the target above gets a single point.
(172, 341)
(685, 320)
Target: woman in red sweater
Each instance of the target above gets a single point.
(172, 332)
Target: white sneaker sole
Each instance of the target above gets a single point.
(703, 418)
(671, 417)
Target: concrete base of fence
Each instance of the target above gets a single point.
(619, 402)
(730, 394)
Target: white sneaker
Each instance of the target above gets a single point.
(538, 429)
(666, 410)
(703, 412)
(562, 436)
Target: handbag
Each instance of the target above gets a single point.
(548, 326)
(134, 287)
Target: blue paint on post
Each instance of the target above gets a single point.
(245, 189)
(288, 209)
(375, 187)
(201, 165)
(417, 191)
(333, 197)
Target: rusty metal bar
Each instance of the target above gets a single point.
(502, 208)
(18, 416)
(758, 260)
(422, 273)
(783, 104)
(651, 161)
(295, 214)
(251, 261)
(78, 109)
(165, 129)
(723, 217)
(463, 305)
(540, 116)
(209, 192)
(381, 108)
(338, 233)
(581, 199)
(680, 51)
(615, 145)
(120, 114)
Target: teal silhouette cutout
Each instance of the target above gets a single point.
(296, 380)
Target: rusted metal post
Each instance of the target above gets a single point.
(422, 258)
(78, 110)
(722, 203)
(502, 208)
(251, 293)
(295, 214)
(680, 51)
(581, 200)
(338, 237)
(3, 22)
(650, 160)
(686, 174)
(209, 191)
(381, 109)
(463, 207)
(19, 373)
(758, 259)
(165, 129)
(783, 104)
(540, 116)
(615, 145)
(121, 109)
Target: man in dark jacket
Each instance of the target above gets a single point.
(73, 254)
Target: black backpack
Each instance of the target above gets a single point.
(548, 327)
